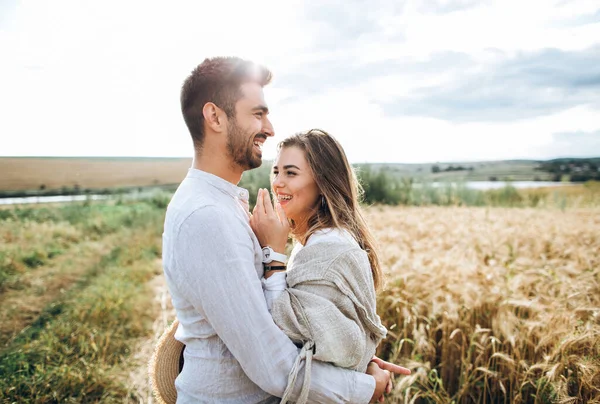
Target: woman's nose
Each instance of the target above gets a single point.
(277, 183)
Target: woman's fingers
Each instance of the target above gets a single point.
(260, 201)
(255, 209)
(268, 206)
(281, 213)
(269, 224)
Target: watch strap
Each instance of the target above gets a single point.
(275, 268)
(275, 256)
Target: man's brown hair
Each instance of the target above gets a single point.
(217, 80)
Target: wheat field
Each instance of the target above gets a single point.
(484, 305)
(491, 304)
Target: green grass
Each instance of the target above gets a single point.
(33, 236)
(68, 354)
(73, 351)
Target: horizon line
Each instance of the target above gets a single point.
(361, 162)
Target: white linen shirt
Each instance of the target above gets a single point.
(234, 351)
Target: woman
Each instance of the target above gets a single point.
(328, 306)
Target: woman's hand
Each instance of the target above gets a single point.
(271, 227)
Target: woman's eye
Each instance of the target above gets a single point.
(291, 173)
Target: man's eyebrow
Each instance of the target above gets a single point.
(262, 108)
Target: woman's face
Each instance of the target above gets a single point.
(293, 184)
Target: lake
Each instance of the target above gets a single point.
(484, 185)
(480, 185)
(51, 199)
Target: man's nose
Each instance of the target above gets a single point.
(268, 128)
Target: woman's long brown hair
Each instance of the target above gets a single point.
(341, 191)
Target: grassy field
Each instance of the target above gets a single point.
(75, 298)
(62, 173)
(484, 304)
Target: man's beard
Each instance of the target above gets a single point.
(238, 148)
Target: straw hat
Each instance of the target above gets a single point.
(165, 365)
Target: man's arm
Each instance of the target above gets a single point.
(215, 272)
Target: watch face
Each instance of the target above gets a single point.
(266, 255)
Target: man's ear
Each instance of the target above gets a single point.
(214, 117)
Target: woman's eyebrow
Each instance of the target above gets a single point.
(287, 167)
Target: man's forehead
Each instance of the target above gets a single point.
(253, 92)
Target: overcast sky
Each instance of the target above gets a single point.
(394, 81)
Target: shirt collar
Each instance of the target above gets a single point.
(219, 183)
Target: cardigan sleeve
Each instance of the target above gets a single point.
(318, 311)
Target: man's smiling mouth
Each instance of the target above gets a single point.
(259, 141)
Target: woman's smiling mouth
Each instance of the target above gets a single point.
(282, 198)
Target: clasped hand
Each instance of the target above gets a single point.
(269, 224)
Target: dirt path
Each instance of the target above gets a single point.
(20, 308)
(140, 390)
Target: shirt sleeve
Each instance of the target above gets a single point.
(273, 286)
(215, 272)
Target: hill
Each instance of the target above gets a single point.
(92, 174)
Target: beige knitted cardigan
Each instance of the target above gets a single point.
(329, 308)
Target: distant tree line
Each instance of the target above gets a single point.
(437, 169)
(381, 186)
(576, 170)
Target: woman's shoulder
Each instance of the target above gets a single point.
(327, 247)
(335, 260)
(331, 235)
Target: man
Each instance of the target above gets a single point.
(213, 262)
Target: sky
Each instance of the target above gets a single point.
(394, 81)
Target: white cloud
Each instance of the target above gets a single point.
(103, 78)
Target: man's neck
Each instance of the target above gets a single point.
(217, 164)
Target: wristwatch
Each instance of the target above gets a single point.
(269, 256)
